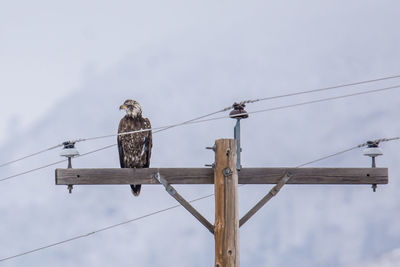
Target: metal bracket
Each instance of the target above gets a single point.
(167, 186)
(275, 190)
(69, 151)
(238, 113)
(171, 190)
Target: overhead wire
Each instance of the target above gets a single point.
(174, 206)
(32, 170)
(286, 178)
(198, 120)
(302, 103)
(329, 156)
(320, 89)
(101, 229)
(30, 155)
(55, 163)
(212, 113)
(157, 129)
(154, 129)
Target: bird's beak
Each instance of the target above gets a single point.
(122, 107)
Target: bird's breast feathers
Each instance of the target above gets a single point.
(135, 147)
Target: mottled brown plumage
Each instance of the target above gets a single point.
(134, 149)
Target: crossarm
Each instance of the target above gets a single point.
(206, 176)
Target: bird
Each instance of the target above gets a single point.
(134, 149)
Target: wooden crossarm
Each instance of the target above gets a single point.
(206, 176)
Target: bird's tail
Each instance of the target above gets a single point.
(136, 189)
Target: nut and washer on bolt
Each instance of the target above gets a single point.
(227, 172)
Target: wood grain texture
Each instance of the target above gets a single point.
(226, 227)
(206, 176)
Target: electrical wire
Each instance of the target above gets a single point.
(199, 119)
(320, 89)
(158, 129)
(196, 120)
(173, 207)
(154, 129)
(30, 155)
(284, 180)
(331, 98)
(101, 229)
(32, 170)
(105, 147)
(302, 103)
(55, 163)
(329, 156)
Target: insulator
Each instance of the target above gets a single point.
(238, 111)
(373, 152)
(69, 150)
(373, 149)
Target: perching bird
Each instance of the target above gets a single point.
(134, 149)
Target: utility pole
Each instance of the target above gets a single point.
(226, 227)
(225, 178)
(226, 173)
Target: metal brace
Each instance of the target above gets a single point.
(164, 182)
(284, 179)
(184, 203)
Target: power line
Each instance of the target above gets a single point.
(303, 103)
(101, 229)
(54, 163)
(285, 179)
(199, 119)
(329, 156)
(377, 141)
(196, 120)
(163, 128)
(157, 129)
(32, 170)
(175, 206)
(99, 149)
(211, 119)
(30, 155)
(330, 98)
(320, 89)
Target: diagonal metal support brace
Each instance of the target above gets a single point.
(285, 178)
(171, 190)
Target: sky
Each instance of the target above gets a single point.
(66, 68)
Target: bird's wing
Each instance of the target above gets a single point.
(149, 142)
(120, 148)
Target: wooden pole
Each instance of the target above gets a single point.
(226, 228)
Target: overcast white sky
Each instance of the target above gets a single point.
(46, 47)
(66, 67)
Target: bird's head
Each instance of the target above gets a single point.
(132, 108)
